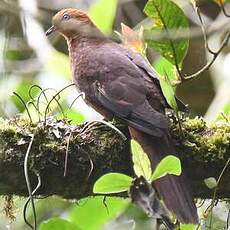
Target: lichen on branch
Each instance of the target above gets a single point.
(94, 150)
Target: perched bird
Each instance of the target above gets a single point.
(119, 82)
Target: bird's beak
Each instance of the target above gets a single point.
(51, 30)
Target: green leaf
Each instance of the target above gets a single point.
(75, 117)
(57, 224)
(22, 89)
(102, 13)
(167, 17)
(188, 227)
(210, 182)
(162, 66)
(112, 183)
(94, 213)
(168, 92)
(142, 165)
(168, 74)
(168, 165)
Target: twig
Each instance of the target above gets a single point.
(224, 116)
(33, 100)
(24, 103)
(183, 77)
(209, 64)
(66, 153)
(227, 224)
(201, 204)
(107, 124)
(82, 94)
(28, 181)
(53, 98)
(28, 200)
(215, 54)
(221, 2)
(197, 9)
(90, 162)
(56, 99)
(210, 207)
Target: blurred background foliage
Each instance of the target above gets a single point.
(28, 58)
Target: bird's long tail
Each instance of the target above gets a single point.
(174, 190)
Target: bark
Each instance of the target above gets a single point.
(98, 149)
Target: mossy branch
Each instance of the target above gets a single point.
(98, 149)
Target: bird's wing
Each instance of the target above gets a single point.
(121, 89)
(143, 64)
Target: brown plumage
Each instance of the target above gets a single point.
(119, 82)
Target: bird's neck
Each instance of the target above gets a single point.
(81, 51)
(88, 32)
(81, 45)
(80, 41)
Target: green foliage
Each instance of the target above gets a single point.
(22, 89)
(168, 74)
(14, 54)
(162, 66)
(102, 13)
(94, 212)
(75, 117)
(142, 165)
(168, 165)
(72, 115)
(188, 227)
(117, 182)
(210, 147)
(57, 224)
(112, 183)
(167, 17)
(168, 92)
(210, 182)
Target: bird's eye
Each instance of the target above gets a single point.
(66, 17)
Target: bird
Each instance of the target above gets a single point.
(119, 82)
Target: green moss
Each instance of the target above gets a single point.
(205, 143)
(102, 147)
(194, 125)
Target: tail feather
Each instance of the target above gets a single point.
(174, 190)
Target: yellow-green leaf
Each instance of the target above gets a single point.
(142, 165)
(112, 183)
(210, 182)
(92, 213)
(168, 74)
(168, 165)
(188, 227)
(58, 224)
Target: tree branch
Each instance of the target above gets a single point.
(98, 149)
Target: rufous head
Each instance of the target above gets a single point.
(71, 22)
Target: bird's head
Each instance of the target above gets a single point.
(72, 22)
